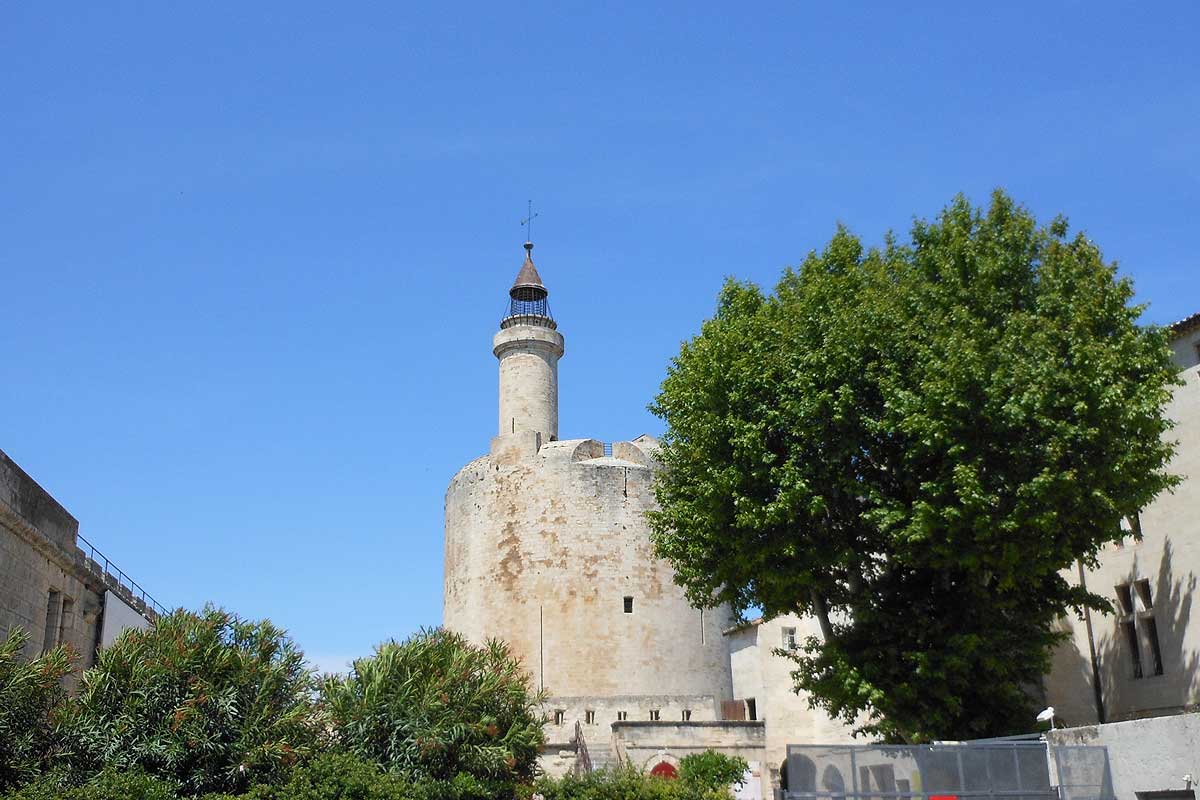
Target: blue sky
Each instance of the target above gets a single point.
(252, 257)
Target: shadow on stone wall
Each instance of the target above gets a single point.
(1124, 696)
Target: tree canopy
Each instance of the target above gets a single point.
(911, 443)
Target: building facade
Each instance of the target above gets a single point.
(53, 584)
(1144, 660)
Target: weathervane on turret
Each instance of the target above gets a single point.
(528, 223)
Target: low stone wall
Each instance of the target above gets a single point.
(645, 744)
(1144, 755)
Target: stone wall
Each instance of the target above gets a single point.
(608, 710)
(1146, 755)
(645, 744)
(48, 586)
(1168, 559)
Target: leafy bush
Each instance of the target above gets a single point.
(341, 776)
(620, 784)
(107, 785)
(712, 769)
(436, 707)
(209, 700)
(30, 692)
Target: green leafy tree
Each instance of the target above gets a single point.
(712, 770)
(911, 443)
(436, 707)
(209, 700)
(30, 693)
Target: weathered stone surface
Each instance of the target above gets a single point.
(48, 586)
(645, 744)
(542, 548)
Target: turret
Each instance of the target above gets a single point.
(528, 345)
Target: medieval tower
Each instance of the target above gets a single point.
(547, 547)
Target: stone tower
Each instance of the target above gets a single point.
(529, 346)
(547, 547)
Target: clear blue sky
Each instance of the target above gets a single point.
(252, 259)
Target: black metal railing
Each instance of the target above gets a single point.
(114, 572)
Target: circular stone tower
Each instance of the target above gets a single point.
(529, 346)
(547, 548)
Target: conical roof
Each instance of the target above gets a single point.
(528, 277)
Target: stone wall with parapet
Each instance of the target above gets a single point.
(39, 555)
(645, 744)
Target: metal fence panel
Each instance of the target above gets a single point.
(1083, 772)
(994, 770)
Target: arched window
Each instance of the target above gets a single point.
(664, 770)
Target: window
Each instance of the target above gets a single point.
(628, 605)
(751, 709)
(654, 716)
(687, 715)
(1139, 628)
(53, 620)
(1125, 599)
(1150, 629)
(559, 716)
(589, 717)
(789, 638)
(622, 716)
(65, 619)
(1135, 652)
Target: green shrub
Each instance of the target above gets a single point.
(437, 708)
(620, 784)
(712, 770)
(341, 776)
(30, 693)
(209, 700)
(107, 785)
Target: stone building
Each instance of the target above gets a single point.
(547, 547)
(53, 583)
(1144, 661)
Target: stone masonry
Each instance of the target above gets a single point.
(48, 585)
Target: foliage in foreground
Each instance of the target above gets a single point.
(209, 700)
(622, 784)
(911, 443)
(436, 707)
(340, 776)
(712, 769)
(107, 785)
(30, 692)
